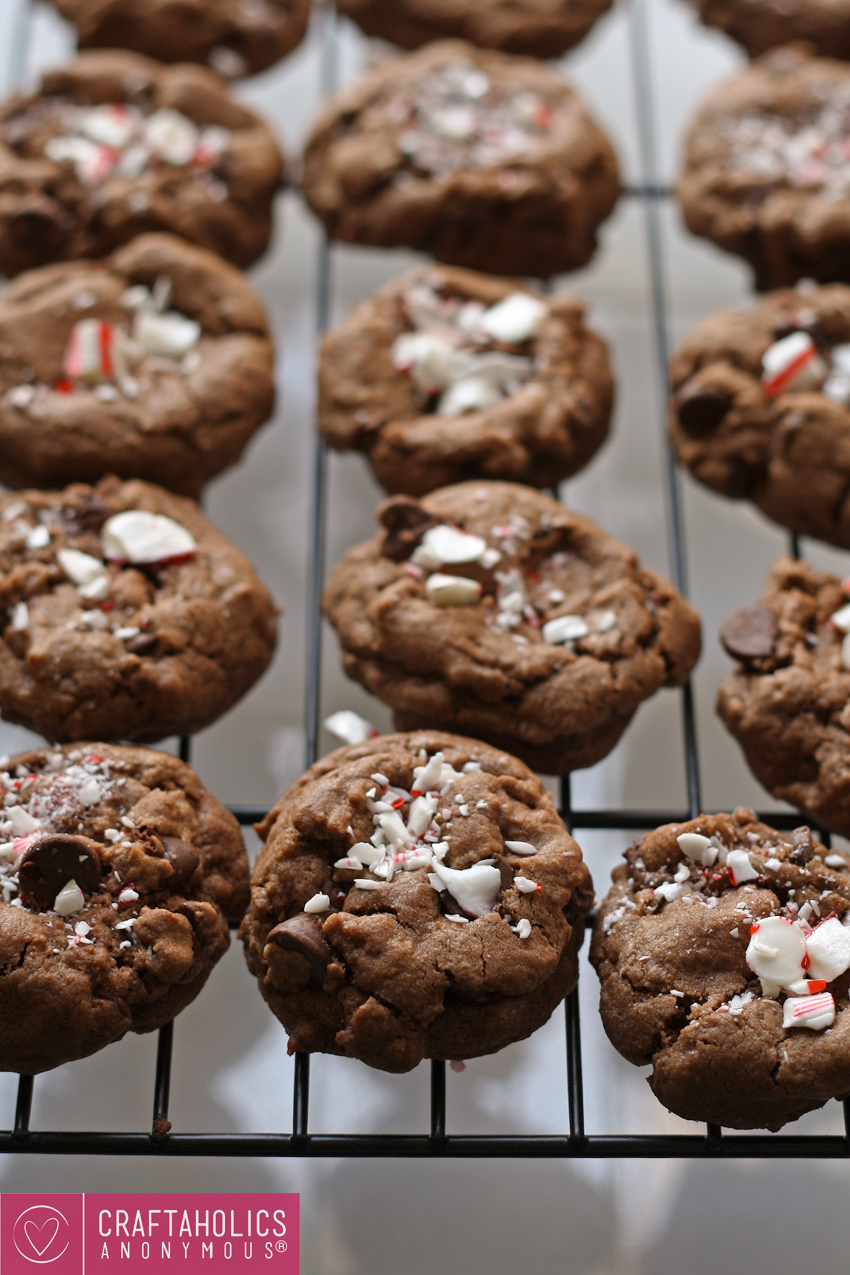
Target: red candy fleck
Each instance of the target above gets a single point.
(817, 985)
(806, 961)
(63, 386)
(398, 803)
(416, 792)
(753, 928)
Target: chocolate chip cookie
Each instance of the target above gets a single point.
(124, 614)
(489, 608)
(118, 875)
(723, 953)
(113, 145)
(478, 158)
(534, 28)
(445, 375)
(766, 171)
(786, 701)
(155, 363)
(235, 37)
(761, 407)
(417, 896)
(760, 25)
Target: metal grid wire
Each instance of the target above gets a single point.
(438, 1142)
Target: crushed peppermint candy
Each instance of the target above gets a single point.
(318, 903)
(814, 1012)
(350, 727)
(447, 591)
(139, 537)
(523, 928)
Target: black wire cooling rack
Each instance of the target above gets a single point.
(577, 1143)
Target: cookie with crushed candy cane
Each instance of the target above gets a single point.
(113, 145)
(489, 608)
(478, 158)
(767, 174)
(445, 374)
(234, 37)
(124, 614)
(417, 896)
(760, 407)
(119, 873)
(723, 955)
(533, 28)
(156, 363)
(786, 699)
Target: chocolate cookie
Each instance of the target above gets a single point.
(124, 614)
(761, 408)
(490, 608)
(155, 363)
(417, 897)
(113, 145)
(234, 36)
(786, 701)
(534, 28)
(760, 25)
(766, 171)
(723, 951)
(478, 158)
(445, 375)
(118, 873)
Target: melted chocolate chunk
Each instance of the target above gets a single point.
(506, 872)
(141, 644)
(49, 864)
(303, 934)
(749, 634)
(804, 846)
(701, 410)
(406, 523)
(182, 856)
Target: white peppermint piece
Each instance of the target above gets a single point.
(525, 885)
(171, 136)
(523, 928)
(837, 387)
(367, 853)
(169, 336)
(21, 395)
(672, 890)
(80, 568)
(518, 317)
(110, 125)
(773, 864)
(142, 537)
(845, 653)
(840, 358)
(475, 889)
(468, 394)
(352, 864)
(451, 591)
(695, 845)
(841, 618)
(431, 359)
(228, 62)
(318, 903)
(835, 861)
(89, 792)
(828, 948)
(38, 538)
(95, 620)
(564, 628)
(20, 617)
(776, 951)
(520, 847)
(739, 1002)
(606, 621)
(393, 828)
(428, 776)
(444, 545)
(815, 1012)
(22, 821)
(739, 867)
(69, 899)
(417, 858)
(134, 298)
(349, 727)
(365, 883)
(422, 811)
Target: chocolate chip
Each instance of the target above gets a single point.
(48, 865)
(142, 643)
(406, 523)
(506, 872)
(749, 634)
(303, 934)
(701, 410)
(804, 846)
(183, 858)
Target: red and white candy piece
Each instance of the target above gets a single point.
(475, 889)
(777, 951)
(169, 336)
(564, 628)
(69, 900)
(80, 568)
(517, 318)
(828, 948)
(137, 536)
(452, 591)
(350, 727)
(171, 136)
(792, 364)
(444, 545)
(739, 867)
(22, 821)
(90, 352)
(815, 1012)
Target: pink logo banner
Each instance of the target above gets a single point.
(133, 1233)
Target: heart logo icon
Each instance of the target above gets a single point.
(35, 1233)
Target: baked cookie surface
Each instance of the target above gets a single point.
(155, 363)
(786, 701)
(766, 175)
(481, 159)
(445, 375)
(417, 896)
(723, 954)
(124, 614)
(760, 25)
(235, 38)
(489, 608)
(761, 407)
(118, 874)
(113, 145)
(533, 28)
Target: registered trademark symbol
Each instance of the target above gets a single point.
(281, 1246)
